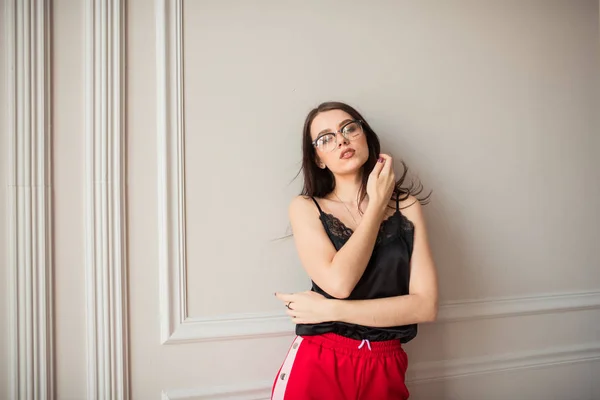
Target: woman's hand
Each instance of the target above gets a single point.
(307, 307)
(381, 183)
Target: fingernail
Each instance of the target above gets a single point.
(380, 159)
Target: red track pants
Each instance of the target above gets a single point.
(333, 367)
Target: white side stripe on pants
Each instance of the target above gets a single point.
(286, 370)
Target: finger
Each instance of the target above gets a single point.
(302, 320)
(298, 316)
(285, 297)
(387, 165)
(291, 313)
(378, 167)
(299, 321)
(296, 319)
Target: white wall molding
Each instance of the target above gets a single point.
(518, 306)
(106, 285)
(253, 391)
(419, 373)
(275, 324)
(176, 325)
(171, 177)
(27, 26)
(449, 369)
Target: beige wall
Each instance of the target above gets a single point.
(494, 105)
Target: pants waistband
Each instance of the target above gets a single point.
(348, 345)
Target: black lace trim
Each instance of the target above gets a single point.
(389, 229)
(336, 227)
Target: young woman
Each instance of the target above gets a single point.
(362, 239)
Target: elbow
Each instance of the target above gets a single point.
(430, 310)
(432, 317)
(339, 293)
(334, 287)
(338, 287)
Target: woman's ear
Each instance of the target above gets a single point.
(320, 163)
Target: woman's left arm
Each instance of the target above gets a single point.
(420, 305)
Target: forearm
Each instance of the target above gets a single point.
(385, 312)
(350, 262)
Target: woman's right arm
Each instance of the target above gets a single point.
(338, 272)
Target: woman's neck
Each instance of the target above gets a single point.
(346, 188)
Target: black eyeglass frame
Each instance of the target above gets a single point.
(341, 130)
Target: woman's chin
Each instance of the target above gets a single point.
(349, 169)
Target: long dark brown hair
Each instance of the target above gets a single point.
(320, 182)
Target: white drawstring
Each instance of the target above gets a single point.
(363, 343)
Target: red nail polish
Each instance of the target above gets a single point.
(380, 159)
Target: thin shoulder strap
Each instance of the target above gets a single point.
(318, 206)
(398, 202)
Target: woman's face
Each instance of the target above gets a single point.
(340, 154)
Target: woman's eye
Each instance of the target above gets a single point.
(351, 128)
(326, 139)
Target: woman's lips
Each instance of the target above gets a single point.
(348, 153)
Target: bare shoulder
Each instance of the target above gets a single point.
(412, 209)
(302, 206)
(304, 218)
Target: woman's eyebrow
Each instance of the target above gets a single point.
(327, 130)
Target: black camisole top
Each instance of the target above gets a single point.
(387, 274)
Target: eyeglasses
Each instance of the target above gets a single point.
(328, 141)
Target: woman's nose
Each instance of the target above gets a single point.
(344, 140)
